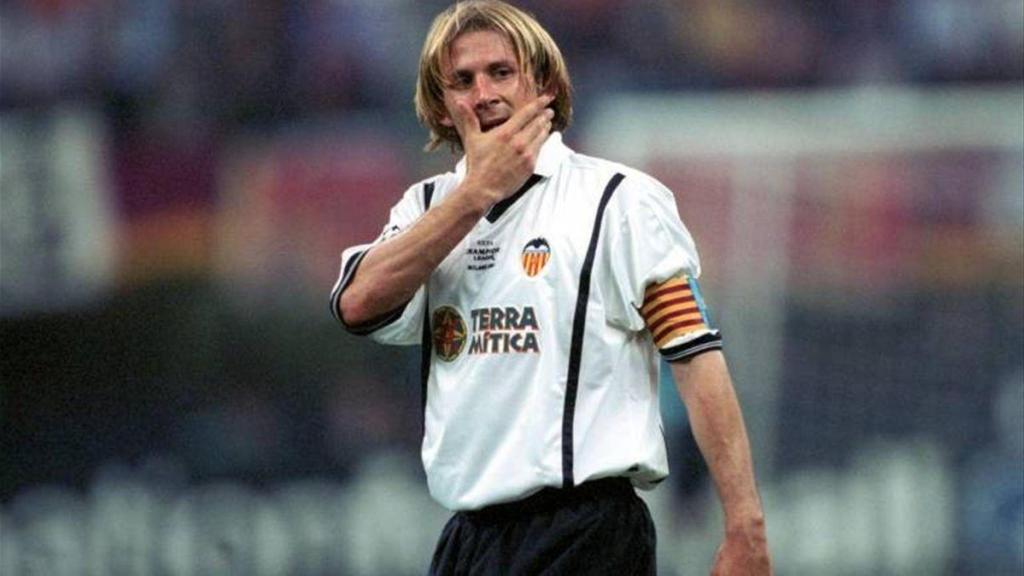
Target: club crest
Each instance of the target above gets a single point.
(448, 332)
(535, 256)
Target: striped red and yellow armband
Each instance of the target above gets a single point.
(677, 318)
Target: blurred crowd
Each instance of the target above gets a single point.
(195, 65)
(202, 162)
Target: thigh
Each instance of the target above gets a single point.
(613, 537)
(453, 549)
(604, 538)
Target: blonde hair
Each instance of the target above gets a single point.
(536, 53)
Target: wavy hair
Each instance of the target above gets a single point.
(536, 53)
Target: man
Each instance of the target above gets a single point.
(544, 285)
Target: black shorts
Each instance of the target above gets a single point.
(600, 527)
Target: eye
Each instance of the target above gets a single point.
(461, 80)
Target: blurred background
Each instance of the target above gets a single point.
(178, 178)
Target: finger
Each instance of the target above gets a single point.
(465, 120)
(540, 127)
(538, 131)
(528, 113)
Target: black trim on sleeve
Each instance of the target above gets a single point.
(578, 329)
(351, 267)
(703, 343)
(349, 272)
(498, 209)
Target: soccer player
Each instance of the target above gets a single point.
(544, 285)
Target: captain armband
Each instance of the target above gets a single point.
(677, 318)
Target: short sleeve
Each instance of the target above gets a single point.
(403, 325)
(654, 266)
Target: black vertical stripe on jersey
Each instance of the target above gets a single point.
(428, 195)
(498, 209)
(426, 347)
(579, 321)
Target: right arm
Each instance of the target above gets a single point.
(497, 163)
(391, 273)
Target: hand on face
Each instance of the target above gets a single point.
(501, 159)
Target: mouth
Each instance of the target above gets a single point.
(486, 125)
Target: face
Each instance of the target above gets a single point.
(483, 75)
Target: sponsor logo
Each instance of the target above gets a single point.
(535, 256)
(504, 330)
(448, 331)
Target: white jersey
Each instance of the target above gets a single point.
(545, 326)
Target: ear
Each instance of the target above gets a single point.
(446, 120)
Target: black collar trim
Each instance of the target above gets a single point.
(498, 209)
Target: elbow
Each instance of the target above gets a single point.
(352, 308)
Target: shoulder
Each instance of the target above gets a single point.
(641, 186)
(426, 192)
(443, 182)
(633, 181)
(634, 189)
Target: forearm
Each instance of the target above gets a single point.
(391, 272)
(717, 423)
(497, 163)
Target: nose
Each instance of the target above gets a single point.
(483, 91)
